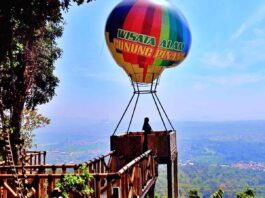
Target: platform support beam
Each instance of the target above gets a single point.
(172, 178)
(176, 182)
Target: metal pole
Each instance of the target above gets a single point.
(157, 82)
(164, 111)
(152, 91)
(133, 85)
(124, 113)
(151, 88)
(159, 111)
(133, 112)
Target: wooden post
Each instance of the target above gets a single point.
(176, 187)
(172, 176)
(37, 186)
(126, 185)
(151, 193)
(41, 188)
(44, 157)
(123, 186)
(97, 190)
(50, 186)
(137, 180)
(109, 185)
(39, 158)
(169, 180)
(116, 192)
(35, 159)
(31, 161)
(64, 169)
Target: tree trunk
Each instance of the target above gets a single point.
(15, 124)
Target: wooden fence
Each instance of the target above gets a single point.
(111, 176)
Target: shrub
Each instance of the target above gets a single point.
(75, 183)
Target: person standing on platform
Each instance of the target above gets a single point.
(147, 130)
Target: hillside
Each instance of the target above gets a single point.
(210, 154)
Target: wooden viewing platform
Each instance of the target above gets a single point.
(163, 145)
(125, 172)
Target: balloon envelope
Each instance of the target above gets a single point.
(147, 36)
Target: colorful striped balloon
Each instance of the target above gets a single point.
(147, 36)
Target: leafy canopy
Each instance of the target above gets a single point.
(28, 51)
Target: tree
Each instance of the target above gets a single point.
(28, 51)
(219, 193)
(31, 120)
(193, 194)
(247, 193)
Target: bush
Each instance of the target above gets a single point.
(193, 194)
(248, 193)
(75, 183)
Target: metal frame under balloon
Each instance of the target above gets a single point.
(144, 88)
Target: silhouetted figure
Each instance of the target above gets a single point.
(147, 130)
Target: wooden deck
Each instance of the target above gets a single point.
(125, 172)
(109, 180)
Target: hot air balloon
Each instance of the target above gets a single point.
(147, 36)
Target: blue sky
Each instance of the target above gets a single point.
(222, 79)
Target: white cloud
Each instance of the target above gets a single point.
(257, 17)
(221, 60)
(240, 30)
(244, 53)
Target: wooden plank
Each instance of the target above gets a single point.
(4, 190)
(50, 186)
(109, 188)
(9, 189)
(148, 186)
(97, 188)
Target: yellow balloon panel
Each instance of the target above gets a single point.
(136, 73)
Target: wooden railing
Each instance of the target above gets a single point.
(109, 179)
(35, 157)
(43, 178)
(137, 177)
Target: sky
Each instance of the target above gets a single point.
(222, 79)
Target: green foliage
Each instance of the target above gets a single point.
(247, 193)
(28, 51)
(193, 194)
(76, 183)
(206, 179)
(31, 120)
(218, 194)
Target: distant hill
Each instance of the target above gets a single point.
(207, 151)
